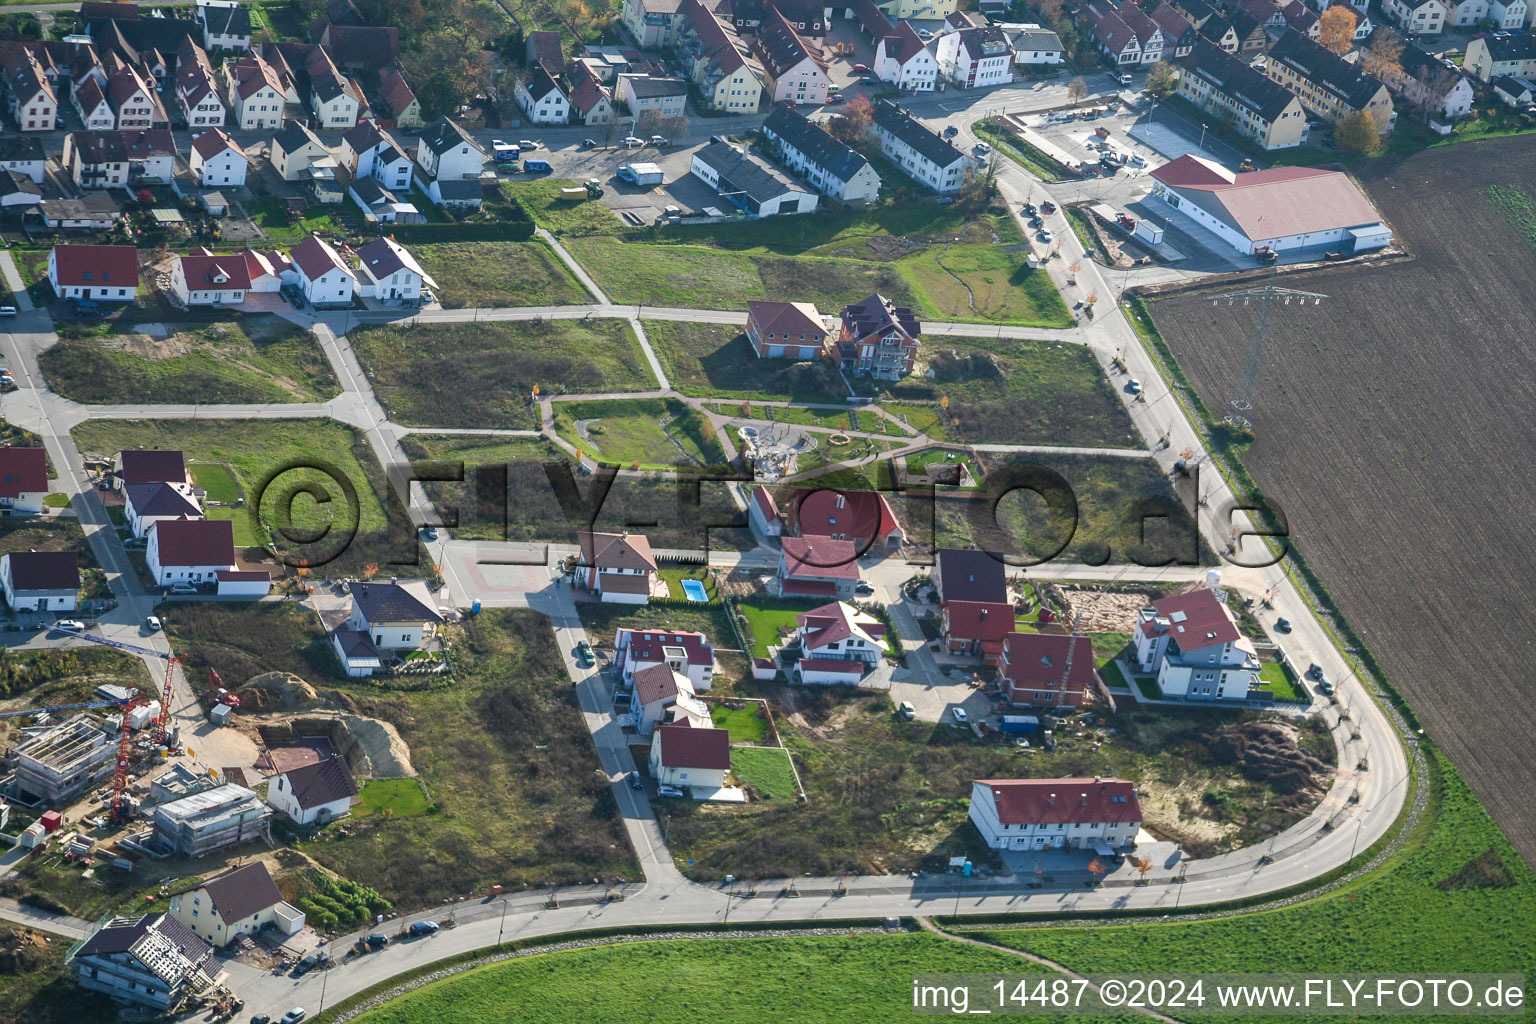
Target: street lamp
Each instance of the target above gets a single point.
(1203, 127)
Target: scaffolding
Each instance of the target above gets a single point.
(58, 763)
(199, 824)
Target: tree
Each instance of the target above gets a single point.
(1163, 80)
(1050, 12)
(1097, 868)
(1076, 90)
(1336, 28)
(1384, 57)
(1357, 133)
(853, 122)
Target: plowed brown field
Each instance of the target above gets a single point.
(1397, 430)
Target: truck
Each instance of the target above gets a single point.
(537, 166)
(504, 152)
(645, 175)
(1019, 725)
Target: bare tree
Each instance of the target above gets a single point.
(1076, 90)
(1384, 57)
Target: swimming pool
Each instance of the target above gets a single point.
(695, 590)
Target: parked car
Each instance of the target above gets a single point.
(863, 587)
(981, 149)
(72, 624)
(429, 533)
(295, 1015)
(1133, 386)
(584, 655)
(7, 310)
(906, 711)
(1047, 207)
(635, 781)
(1314, 671)
(950, 131)
(630, 142)
(669, 791)
(1036, 223)
(961, 718)
(153, 624)
(310, 963)
(834, 99)
(1125, 79)
(1325, 688)
(1046, 235)
(503, 152)
(869, 80)
(527, 144)
(262, 1018)
(860, 69)
(659, 140)
(1137, 160)
(183, 588)
(1030, 210)
(422, 928)
(834, 89)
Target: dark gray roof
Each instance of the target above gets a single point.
(321, 783)
(234, 20)
(293, 136)
(1510, 84)
(459, 190)
(392, 602)
(442, 135)
(240, 892)
(811, 139)
(744, 173)
(891, 118)
(1233, 78)
(966, 575)
(1324, 68)
(20, 147)
(90, 206)
(14, 183)
(354, 643)
(1511, 47)
(647, 87)
(44, 570)
(160, 942)
(1036, 39)
(159, 499)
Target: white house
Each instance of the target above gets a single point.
(1099, 814)
(744, 181)
(116, 159)
(235, 904)
(133, 99)
(203, 279)
(23, 479)
(1034, 44)
(197, 88)
(153, 961)
(1192, 643)
(380, 205)
(837, 643)
(98, 273)
(1492, 57)
(144, 505)
(657, 96)
(619, 567)
(904, 60)
(446, 152)
(40, 580)
(976, 58)
(764, 512)
(24, 156)
(334, 99)
(398, 615)
(244, 583)
(690, 758)
(313, 793)
(1464, 14)
(921, 153)
(542, 97)
(834, 169)
(255, 94)
(661, 695)
(1420, 17)
(322, 276)
(30, 98)
(1508, 14)
(794, 69)
(369, 151)
(687, 653)
(215, 160)
(190, 550)
(226, 24)
(387, 271)
(90, 102)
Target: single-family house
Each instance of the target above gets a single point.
(923, 154)
(24, 156)
(380, 205)
(720, 63)
(387, 271)
(976, 58)
(1434, 85)
(455, 193)
(134, 101)
(688, 653)
(335, 99)
(119, 159)
(295, 149)
(23, 479)
(794, 70)
(591, 102)
(255, 93)
(764, 513)
(19, 192)
(313, 793)
(902, 59)
(203, 279)
(197, 88)
(652, 24)
(1047, 669)
(864, 517)
(396, 615)
(877, 338)
(976, 628)
(1512, 91)
(189, 550)
(96, 273)
(89, 98)
(226, 25)
(661, 694)
(216, 160)
(369, 151)
(1099, 814)
(1035, 44)
(1421, 17)
(29, 96)
(619, 567)
(144, 505)
(148, 466)
(321, 274)
(785, 330)
(1494, 56)
(963, 574)
(818, 567)
(836, 643)
(542, 96)
(833, 168)
(399, 99)
(152, 961)
(748, 183)
(1327, 84)
(1256, 106)
(46, 581)
(1508, 15)
(448, 153)
(652, 96)
(235, 904)
(1192, 643)
(690, 758)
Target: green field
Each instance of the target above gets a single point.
(768, 618)
(745, 724)
(766, 770)
(717, 361)
(561, 216)
(253, 360)
(918, 465)
(217, 480)
(1274, 678)
(640, 432)
(484, 274)
(1459, 900)
(277, 463)
(481, 374)
(400, 797)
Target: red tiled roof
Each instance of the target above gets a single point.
(1063, 801)
(977, 620)
(658, 682)
(820, 558)
(832, 623)
(213, 142)
(315, 258)
(201, 272)
(617, 551)
(685, 747)
(787, 318)
(764, 499)
(863, 516)
(846, 666)
(808, 588)
(151, 465)
(1031, 659)
(195, 541)
(1196, 619)
(23, 471)
(106, 264)
(621, 583)
(44, 570)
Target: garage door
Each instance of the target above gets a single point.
(775, 351)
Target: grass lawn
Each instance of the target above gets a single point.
(765, 770)
(925, 419)
(830, 419)
(217, 479)
(746, 724)
(1149, 688)
(507, 758)
(481, 374)
(400, 797)
(644, 432)
(840, 979)
(246, 535)
(993, 285)
(274, 462)
(1459, 890)
(561, 216)
(58, 499)
(1274, 678)
(674, 573)
(482, 274)
(918, 464)
(717, 361)
(768, 618)
(277, 225)
(253, 360)
(1031, 158)
(1113, 678)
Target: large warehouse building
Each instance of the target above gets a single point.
(1286, 209)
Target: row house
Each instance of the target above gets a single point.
(902, 59)
(818, 567)
(1432, 84)
(794, 70)
(399, 99)
(975, 58)
(591, 102)
(197, 90)
(30, 99)
(1493, 57)
(972, 591)
(1258, 107)
(89, 98)
(878, 338)
(255, 93)
(923, 154)
(720, 64)
(134, 100)
(216, 161)
(1123, 33)
(746, 182)
(832, 167)
(785, 330)
(1098, 814)
(1179, 36)
(368, 151)
(1327, 84)
(689, 654)
(1364, 25)
(1421, 17)
(118, 159)
(1252, 35)
(191, 551)
(747, 16)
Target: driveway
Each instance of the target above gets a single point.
(923, 681)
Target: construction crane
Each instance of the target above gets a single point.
(124, 742)
(171, 661)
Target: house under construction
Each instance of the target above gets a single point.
(210, 820)
(55, 764)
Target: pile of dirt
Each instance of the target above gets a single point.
(22, 951)
(1268, 752)
(1103, 611)
(949, 366)
(277, 691)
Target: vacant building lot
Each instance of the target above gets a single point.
(717, 361)
(640, 433)
(484, 274)
(1392, 437)
(252, 360)
(482, 374)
